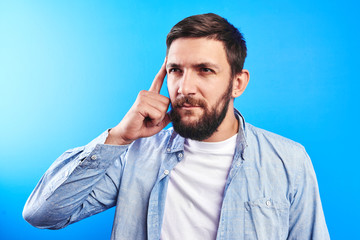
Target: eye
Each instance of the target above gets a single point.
(207, 70)
(174, 70)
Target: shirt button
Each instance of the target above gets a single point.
(268, 203)
(168, 149)
(93, 157)
(180, 155)
(166, 172)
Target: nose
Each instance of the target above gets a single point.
(187, 84)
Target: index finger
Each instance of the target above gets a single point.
(159, 79)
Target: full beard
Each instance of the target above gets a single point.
(208, 123)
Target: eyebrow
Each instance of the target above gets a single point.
(198, 65)
(172, 65)
(207, 65)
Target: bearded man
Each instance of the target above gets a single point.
(211, 176)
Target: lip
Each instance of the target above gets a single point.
(188, 107)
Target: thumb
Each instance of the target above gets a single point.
(166, 120)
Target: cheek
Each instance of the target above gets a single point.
(172, 89)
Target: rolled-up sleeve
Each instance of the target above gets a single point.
(82, 182)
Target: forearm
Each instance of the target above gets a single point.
(80, 183)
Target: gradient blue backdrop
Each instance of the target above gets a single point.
(71, 69)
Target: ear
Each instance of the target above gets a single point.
(240, 81)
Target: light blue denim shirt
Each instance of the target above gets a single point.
(271, 191)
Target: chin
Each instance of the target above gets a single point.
(191, 113)
(190, 119)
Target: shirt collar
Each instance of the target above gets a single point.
(176, 142)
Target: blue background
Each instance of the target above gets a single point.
(71, 69)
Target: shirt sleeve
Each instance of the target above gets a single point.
(82, 182)
(307, 219)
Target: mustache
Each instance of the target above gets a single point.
(179, 102)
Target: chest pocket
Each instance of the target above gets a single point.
(266, 219)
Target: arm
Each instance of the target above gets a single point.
(307, 219)
(84, 181)
(146, 117)
(77, 185)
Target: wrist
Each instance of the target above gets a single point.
(115, 139)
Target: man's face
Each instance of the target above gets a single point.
(199, 86)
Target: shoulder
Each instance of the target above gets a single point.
(162, 136)
(273, 140)
(274, 151)
(159, 140)
(149, 152)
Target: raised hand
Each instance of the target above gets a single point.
(146, 117)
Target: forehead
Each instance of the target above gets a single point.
(197, 50)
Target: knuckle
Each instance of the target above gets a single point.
(143, 93)
(166, 102)
(164, 99)
(163, 106)
(157, 115)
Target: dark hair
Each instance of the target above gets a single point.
(213, 26)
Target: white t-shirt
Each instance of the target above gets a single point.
(195, 190)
